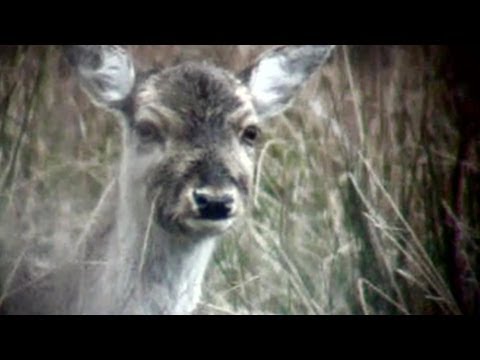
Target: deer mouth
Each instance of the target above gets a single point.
(195, 224)
(214, 227)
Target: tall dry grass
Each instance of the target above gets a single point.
(354, 183)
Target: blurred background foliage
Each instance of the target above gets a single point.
(367, 196)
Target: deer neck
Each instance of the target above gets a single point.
(153, 271)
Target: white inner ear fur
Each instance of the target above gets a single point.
(271, 83)
(113, 80)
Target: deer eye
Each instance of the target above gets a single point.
(147, 131)
(250, 135)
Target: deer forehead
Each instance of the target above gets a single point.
(194, 94)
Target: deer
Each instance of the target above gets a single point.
(190, 136)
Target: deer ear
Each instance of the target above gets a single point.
(275, 78)
(106, 71)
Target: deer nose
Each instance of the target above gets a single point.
(213, 206)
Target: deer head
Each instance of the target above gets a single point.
(190, 131)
